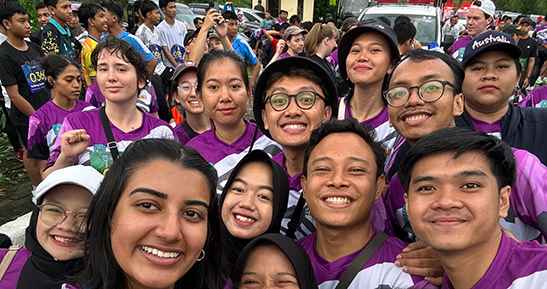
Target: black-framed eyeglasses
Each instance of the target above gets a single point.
(429, 91)
(54, 215)
(304, 100)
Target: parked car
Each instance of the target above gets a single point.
(427, 19)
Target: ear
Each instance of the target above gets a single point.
(51, 10)
(505, 193)
(265, 119)
(392, 66)
(141, 83)
(458, 104)
(380, 183)
(406, 201)
(303, 182)
(327, 112)
(6, 23)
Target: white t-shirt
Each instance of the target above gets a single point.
(151, 39)
(173, 38)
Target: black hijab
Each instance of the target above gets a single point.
(293, 251)
(41, 270)
(281, 197)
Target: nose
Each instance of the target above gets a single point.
(447, 198)
(225, 96)
(68, 223)
(338, 179)
(169, 227)
(293, 110)
(247, 201)
(414, 98)
(489, 74)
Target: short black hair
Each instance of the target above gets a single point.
(52, 3)
(40, 5)
(196, 20)
(351, 125)
(385, 20)
(294, 20)
(402, 18)
(8, 9)
(88, 11)
(229, 15)
(164, 3)
(114, 8)
(307, 25)
(419, 55)
(404, 31)
(147, 6)
(459, 141)
(283, 11)
(53, 65)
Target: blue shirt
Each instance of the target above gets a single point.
(137, 44)
(244, 50)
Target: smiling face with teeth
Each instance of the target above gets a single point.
(417, 118)
(189, 100)
(292, 127)
(159, 227)
(248, 206)
(341, 185)
(64, 241)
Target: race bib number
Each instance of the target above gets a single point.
(34, 76)
(156, 50)
(177, 52)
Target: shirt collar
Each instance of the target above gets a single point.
(64, 30)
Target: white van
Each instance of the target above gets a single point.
(427, 19)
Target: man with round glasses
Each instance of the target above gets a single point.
(424, 96)
(292, 96)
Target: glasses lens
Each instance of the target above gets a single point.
(431, 90)
(397, 96)
(305, 99)
(185, 87)
(279, 101)
(52, 215)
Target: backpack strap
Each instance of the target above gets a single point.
(342, 109)
(112, 145)
(7, 259)
(187, 129)
(370, 249)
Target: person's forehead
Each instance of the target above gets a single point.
(475, 13)
(411, 69)
(302, 82)
(343, 146)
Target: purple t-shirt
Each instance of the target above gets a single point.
(146, 101)
(458, 48)
(333, 59)
(181, 134)
(385, 133)
(527, 215)
(97, 154)
(489, 128)
(378, 272)
(284, 55)
(516, 265)
(225, 156)
(536, 98)
(44, 126)
(11, 277)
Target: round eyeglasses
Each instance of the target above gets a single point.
(304, 100)
(54, 215)
(186, 87)
(429, 91)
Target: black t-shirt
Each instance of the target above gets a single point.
(529, 49)
(21, 68)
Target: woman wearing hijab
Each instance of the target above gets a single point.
(273, 259)
(253, 201)
(54, 237)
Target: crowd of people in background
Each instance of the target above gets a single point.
(368, 161)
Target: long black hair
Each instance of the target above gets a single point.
(102, 270)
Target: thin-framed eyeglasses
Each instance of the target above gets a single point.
(186, 87)
(54, 215)
(304, 100)
(429, 91)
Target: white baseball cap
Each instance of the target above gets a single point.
(485, 6)
(84, 176)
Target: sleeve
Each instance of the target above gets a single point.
(7, 71)
(529, 195)
(86, 59)
(534, 52)
(50, 42)
(56, 151)
(141, 49)
(163, 36)
(249, 54)
(37, 143)
(154, 107)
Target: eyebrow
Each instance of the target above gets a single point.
(498, 60)
(276, 274)
(164, 196)
(328, 159)
(466, 173)
(422, 79)
(302, 88)
(245, 183)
